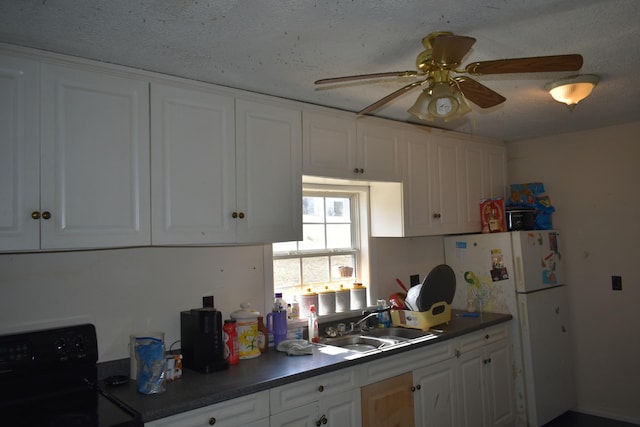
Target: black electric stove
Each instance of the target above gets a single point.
(49, 378)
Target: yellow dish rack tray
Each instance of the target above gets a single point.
(439, 313)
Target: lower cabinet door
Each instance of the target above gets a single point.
(341, 410)
(388, 403)
(435, 395)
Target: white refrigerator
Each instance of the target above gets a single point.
(520, 273)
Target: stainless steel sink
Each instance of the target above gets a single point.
(398, 333)
(377, 339)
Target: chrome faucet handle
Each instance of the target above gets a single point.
(331, 332)
(342, 328)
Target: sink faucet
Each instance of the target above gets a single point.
(367, 315)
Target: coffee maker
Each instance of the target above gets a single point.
(201, 338)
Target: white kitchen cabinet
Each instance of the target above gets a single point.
(193, 173)
(341, 146)
(218, 179)
(94, 159)
(485, 378)
(333, 410)
(435, 394)
(332, 399)
(79, 172)
(246, 411)
(19, 153)
(329, 145)
(445, 176)
(268, 172)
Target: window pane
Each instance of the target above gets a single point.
(338, 209)
(342, 261)
(338, 236)
(286, 272)
(315, 269)
(285, 247)
(313, 237)
(312, 209)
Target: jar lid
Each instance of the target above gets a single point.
(358, 285)
(309, 292)
(326, 290)
(342, 289)
(245, 312)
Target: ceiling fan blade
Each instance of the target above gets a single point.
(367, 76)
(478, 93)
(379, 103)
(527, 65)
(448, 50)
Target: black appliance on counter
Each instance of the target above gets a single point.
(201, 341)
(49, 378)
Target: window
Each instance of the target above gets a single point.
(332, 251)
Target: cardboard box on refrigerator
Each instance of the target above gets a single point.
(492, 215)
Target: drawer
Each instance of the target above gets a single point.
(310, 390)
(241, 411)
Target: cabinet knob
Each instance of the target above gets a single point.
(212, 421)
(46, 215)
(35, 215)
(436, 215)
(358, 170)
(323, 420)
(321, 388)
(234, 215)
(241, 215)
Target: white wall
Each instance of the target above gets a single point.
(124, 291)
(593, 179)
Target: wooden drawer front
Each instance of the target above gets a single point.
(405, 362)
(234, 412)
(309, 390)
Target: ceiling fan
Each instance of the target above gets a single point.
(445, 95)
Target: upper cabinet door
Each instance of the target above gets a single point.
(19, 153)
(192, 166)
(329, 145)
(95, 159)
(269, 172)
(380, 150)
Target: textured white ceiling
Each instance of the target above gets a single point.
(280, 47)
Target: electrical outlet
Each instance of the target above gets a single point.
(616, 283)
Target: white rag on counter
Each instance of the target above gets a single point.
(295, 347)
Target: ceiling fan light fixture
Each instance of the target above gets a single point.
(573, 89)
(439, 101)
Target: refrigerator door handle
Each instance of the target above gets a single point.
(519, 273)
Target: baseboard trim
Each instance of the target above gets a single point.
(605, 414)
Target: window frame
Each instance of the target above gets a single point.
(364, 261)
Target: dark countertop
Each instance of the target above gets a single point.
(194, 389)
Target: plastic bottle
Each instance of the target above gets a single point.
(279, 304)
(263, 335)
(231, 341)
(293, 309)
(313, 324)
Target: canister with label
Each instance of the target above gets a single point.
(306, 300)
(358, 296)
(326, 302)
(343, 299)
(247, 329)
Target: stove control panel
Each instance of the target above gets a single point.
(70, 344)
